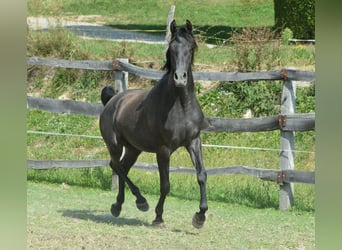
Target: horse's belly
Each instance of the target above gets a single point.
(152, 140)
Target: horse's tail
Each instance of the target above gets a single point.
(106, 94)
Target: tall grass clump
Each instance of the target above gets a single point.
(56, 42)
(256, 49)
(59, 43)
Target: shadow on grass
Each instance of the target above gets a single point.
(93, 215)
(210, 34)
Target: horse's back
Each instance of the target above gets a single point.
(120, 113)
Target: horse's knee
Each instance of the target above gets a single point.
(202, 177)
(165, 188)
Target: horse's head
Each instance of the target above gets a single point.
(180, 53)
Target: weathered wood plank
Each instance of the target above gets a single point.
(50, 164)
(288, 106)
(288, 176)
(138, 71)
(288, 74)
(294, 122)
(299, 122)
(237, 76)
(75, 64)
(170, 17)
(64, 106)
(121, 79)
(217, 124)
(223, 76)
(264, 174)
(304, 177)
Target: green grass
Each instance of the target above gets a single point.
(62, 216)
(154, 12)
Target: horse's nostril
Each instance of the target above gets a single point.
(176, 77)
(184, 75)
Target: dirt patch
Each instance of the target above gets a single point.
(46, 22)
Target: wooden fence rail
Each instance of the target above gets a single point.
(64, 106)
(280, 177)
(120, 65)
(292, 122)
(287, 122)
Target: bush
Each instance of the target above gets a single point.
(255, 49)
(232, 99)
(299, 16)
(286, 35)
(305, 99)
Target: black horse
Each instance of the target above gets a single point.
(159, 121)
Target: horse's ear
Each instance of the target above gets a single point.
(173, 27)
(188, 26)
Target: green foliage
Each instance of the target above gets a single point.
(262, 98)
(286, 35)
(305, 99)
(299, 16)
(232, 99)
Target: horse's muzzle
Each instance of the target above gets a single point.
(180, 84)
(181, 79)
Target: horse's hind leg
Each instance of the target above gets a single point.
(114, 164)
(122, 168)
(115, 152)
(126, 163)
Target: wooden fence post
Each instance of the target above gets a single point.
(121, 78)
(168, 32)
(120, 84)
(287, 147)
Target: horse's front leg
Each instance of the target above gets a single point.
(195, 151)
(163, 159)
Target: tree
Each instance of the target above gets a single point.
(299, 16)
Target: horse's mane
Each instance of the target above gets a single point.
(188, 36)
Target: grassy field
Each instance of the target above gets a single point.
(154, 12)
(69, 217)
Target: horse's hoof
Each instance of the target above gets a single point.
(159, 224)
(143, 206)
(115, 210)
(198, 220)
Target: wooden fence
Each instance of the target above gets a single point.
(287, 122)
